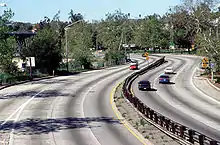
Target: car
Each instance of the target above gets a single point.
(168, 70)
(164, 79)
(133, 66)
(144, 85)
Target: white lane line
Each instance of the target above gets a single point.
(19, 110)
(199, 91)
(21, 107)
(82, 103)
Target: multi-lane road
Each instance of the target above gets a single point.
(68, 110)
(181, 101)
(76, 110)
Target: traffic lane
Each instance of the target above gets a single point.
(47, 95)
(36, 105)
(47, 82)
(33, 122)
(201, 108)
(153, 100)
(81, 96)
(13, 97)
(97, 103)
(205, 108)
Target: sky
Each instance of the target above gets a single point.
(34, 10)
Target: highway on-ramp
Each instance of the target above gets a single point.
(180, 100)
(67, 110)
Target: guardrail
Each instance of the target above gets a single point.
(167, 124)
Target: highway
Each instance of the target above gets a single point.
(70, 110)
(180, 100)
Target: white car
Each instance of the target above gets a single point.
(168, 70)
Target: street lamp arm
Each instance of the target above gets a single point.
(68, 26)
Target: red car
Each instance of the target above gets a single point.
(133, 66)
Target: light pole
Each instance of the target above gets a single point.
(66, 29)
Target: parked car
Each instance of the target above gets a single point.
(133, 66)
(164, 79)
(168, 70)
(144, 85)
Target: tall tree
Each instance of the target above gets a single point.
(7, 44)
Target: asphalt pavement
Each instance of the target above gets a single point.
(70, 110)
(181, 100)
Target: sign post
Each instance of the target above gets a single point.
(212, 65)
(147, 58)
(30, 63)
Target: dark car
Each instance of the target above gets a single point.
(144, 85)
(164, 79)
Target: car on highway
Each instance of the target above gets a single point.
(164, 79)
(168, 70)
(144, 85)
(133, 66)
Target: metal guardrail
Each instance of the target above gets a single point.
(167, 124)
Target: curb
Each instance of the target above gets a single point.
(18, 83)
(130, 128)
(209, 82)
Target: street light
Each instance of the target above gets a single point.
(67, 28)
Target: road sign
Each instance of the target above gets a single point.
(204, 65)
(30, 61)
(205, 60)
(146, 54)
(212, 65)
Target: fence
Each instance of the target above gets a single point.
(167, 124)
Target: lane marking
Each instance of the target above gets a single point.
(19, 110)
(21, 107)
(199, 91)
(121, 119)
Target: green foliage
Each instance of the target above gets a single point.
(114, 56)
(80, 43)
(45, 48)
(151, 32)
(6, 45)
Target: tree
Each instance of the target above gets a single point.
(7, 44)
(151, 32)
(45, 48)
(80, 44)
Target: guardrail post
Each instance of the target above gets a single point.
(135, 102)
(182, 129)
(155, 118)
(201, 139)
(161, 120)
(191, 133)
(147, 112)
(151, 114)
(167, 121)
(142, 108)
(213, 142)
(173, 126)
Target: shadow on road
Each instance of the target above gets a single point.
(40, 126)
(44, 94)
